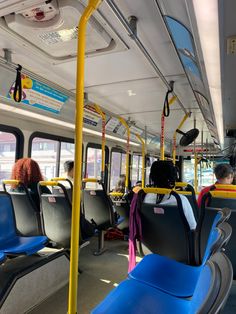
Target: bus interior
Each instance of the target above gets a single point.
(156, 82)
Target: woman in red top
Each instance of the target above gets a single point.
(224, 174)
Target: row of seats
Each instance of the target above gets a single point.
(162, 285)
(54, 218)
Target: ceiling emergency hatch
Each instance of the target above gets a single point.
(52, 27)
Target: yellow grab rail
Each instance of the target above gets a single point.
(48, 183)
(120, 194)
(162, 144)
(181, 184)
(15, 182)
(225, 186)
(75, 219)
(184, 192)
(127, 154)
(143, 159)
(59, 179)
(223, 194)
(157, 190)
(94, 180)
(103, 116)
(175, 134)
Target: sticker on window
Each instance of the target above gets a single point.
(159, 211)
(93, 193)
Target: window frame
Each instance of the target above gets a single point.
(19, 139)
(98, 146)
(52, 137)
(122, 151)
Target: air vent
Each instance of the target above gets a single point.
(52, 27)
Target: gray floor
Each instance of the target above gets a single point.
(100, 275)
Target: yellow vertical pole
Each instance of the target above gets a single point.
(75, 221)
(143, 159)
(174, 136)
(103, 116)
(127, 154)
(162, 148)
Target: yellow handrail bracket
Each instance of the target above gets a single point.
(12, 182)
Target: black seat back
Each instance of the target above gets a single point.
(209, 207)
(165, 231)
(56, 217)
(27, 216)
(98, 209)
(68, 186)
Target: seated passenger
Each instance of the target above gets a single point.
(120, 185)
(27, 171)
(163, 175)
(224, 175)
(69, 170)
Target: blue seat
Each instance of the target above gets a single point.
(135, 297)
(2, 257)
(166, 274)
(10, 242)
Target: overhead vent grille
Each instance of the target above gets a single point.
(51, 27)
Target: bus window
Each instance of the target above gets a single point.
(46, 152)
(7, 154)
(118, 167)
(148, 167)
(93, 166)
(66, 153)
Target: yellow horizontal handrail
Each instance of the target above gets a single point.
(225, 186)
(94, 180)
(48, 183)
(15, 182)
(157, 190)
(116, 194)
(181, 184)
(184, 192)
(223, 194)
(59, 179)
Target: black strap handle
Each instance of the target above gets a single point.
(166, 108)
(17, 94)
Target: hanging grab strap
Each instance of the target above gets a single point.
(18, 85)
(166, 108)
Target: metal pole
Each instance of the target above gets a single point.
(75, 219)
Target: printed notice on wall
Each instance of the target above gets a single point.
(40, 95)
(91, 117)
(112, 124)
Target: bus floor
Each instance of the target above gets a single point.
(100, 274)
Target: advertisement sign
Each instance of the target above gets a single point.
(40, 95)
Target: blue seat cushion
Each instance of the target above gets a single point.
(166, 274)
(135, 297)
(23, 245)
(2, 256)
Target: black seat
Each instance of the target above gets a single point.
(66, 183)
(165, 231)
(27, 215)
(210, 205)
(189, 192)
(98, 209)
(56, 217)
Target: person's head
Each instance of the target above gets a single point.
(163, 174)
(120, 185)
(138, 183)
(224, 174)
(69, 168)
(27, 171)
